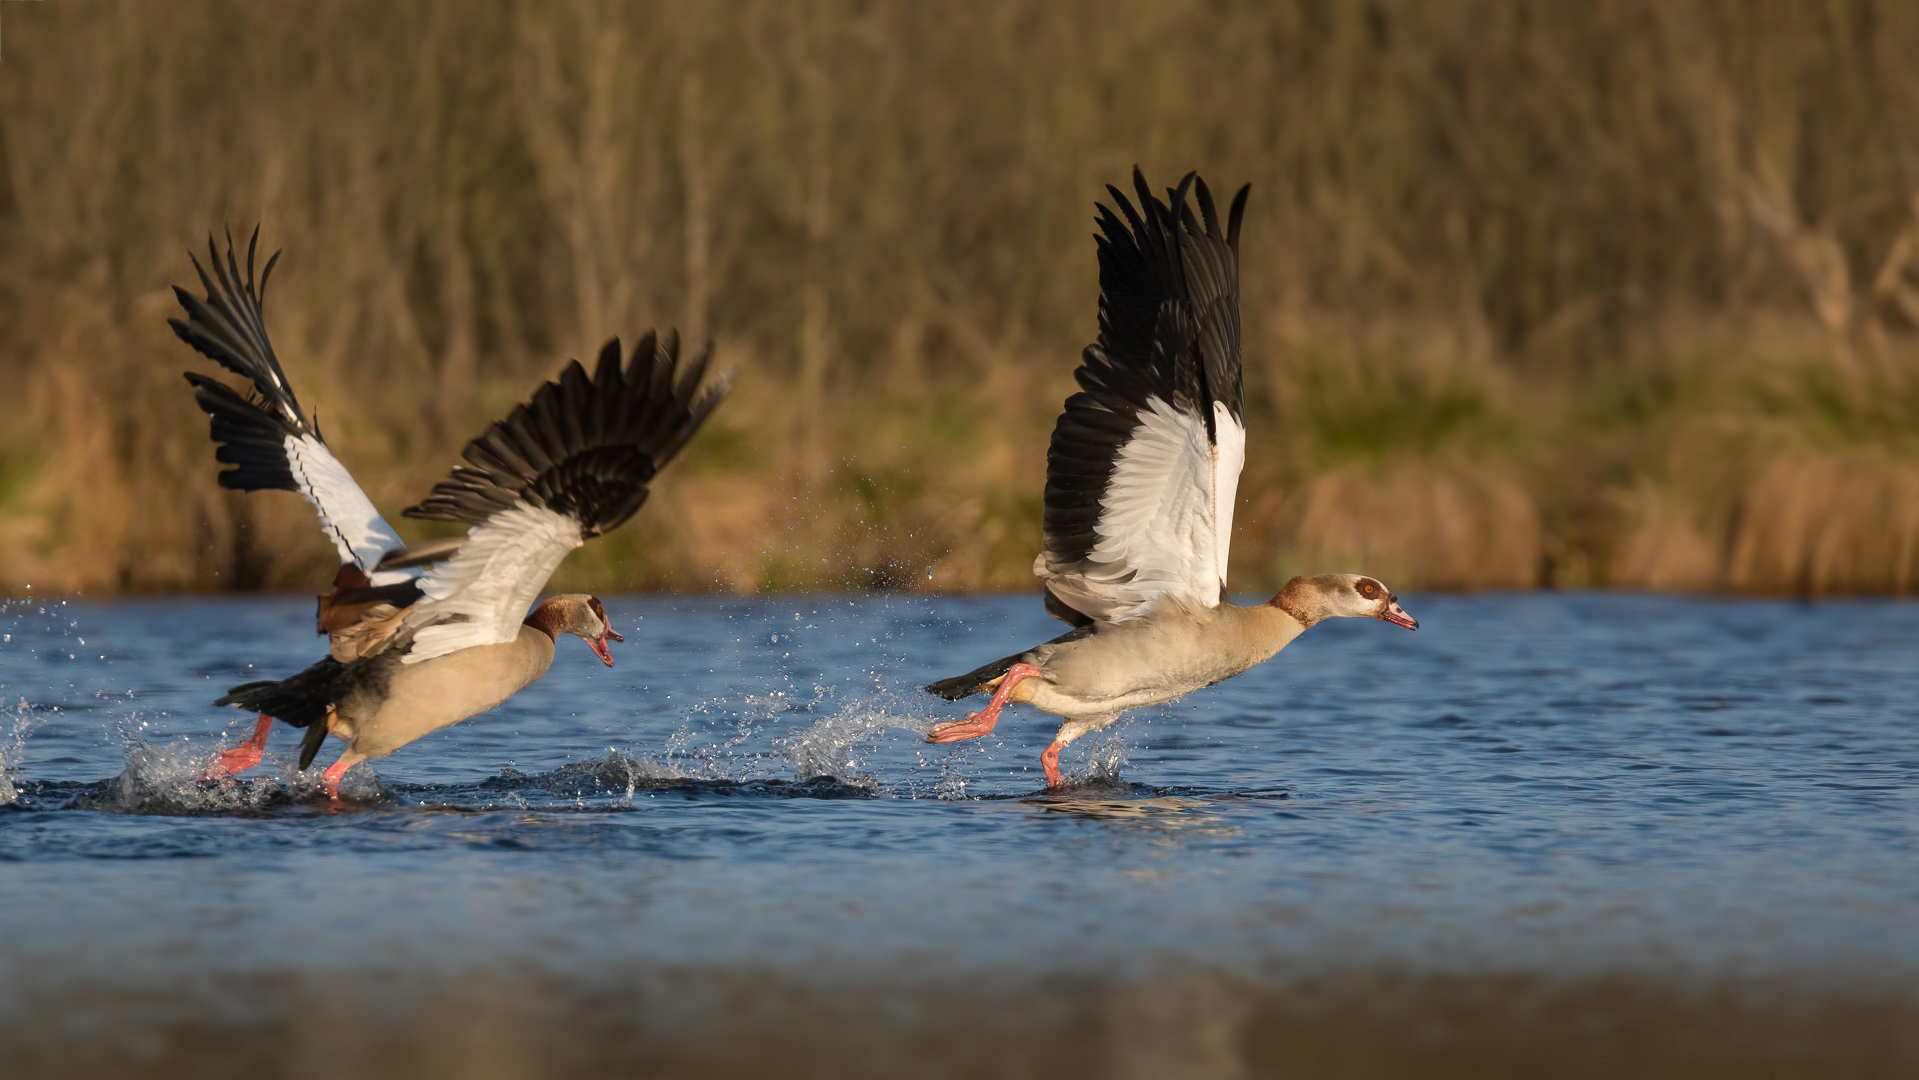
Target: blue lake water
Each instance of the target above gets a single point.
(1694, 820)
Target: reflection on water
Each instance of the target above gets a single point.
(1619, 826)
(1145, 810)
(484, 1024)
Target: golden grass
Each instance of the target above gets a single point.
(1621, 295)
(1450, 524)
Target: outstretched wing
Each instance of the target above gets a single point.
(570, 464)
(264, 434)
(1145, 460)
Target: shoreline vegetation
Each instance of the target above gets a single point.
(1623, 294)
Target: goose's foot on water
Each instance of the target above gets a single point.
(334, 774)
(981, 722)
(975, 725)
(246, 755)
(1050, 761)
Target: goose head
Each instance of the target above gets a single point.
(580, 615)
(1342, 596)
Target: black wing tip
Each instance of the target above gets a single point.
(250, 438)
(1145, 208)
(715, 387)
(1234, 216)
(226, 266)
(228, 324)
(1177, 196)
(585, 445)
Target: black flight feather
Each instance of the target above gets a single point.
(584, 446)
(229, 328)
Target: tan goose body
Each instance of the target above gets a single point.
(1152, 660)
(423, 698)
(1141, 476)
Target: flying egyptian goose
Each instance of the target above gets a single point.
(1140, 480)
(423, 637)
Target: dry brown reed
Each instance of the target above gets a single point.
(1620, 293)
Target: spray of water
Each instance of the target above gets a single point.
(951, 784)
(14, 723)
(1106, 754)
(835, 745)
(711, 741)
(182, 777)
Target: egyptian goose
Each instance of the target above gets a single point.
(1140, 479)
(423, 637)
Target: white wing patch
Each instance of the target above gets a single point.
(1230, 460)
(1166, 522)
(347, 515)
(481, 595)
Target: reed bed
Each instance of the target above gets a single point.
(1617, 294)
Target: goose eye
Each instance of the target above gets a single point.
(1369, 590)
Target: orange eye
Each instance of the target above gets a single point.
(1369, 590)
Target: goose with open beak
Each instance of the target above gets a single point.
(423, 637)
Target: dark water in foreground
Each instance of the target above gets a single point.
(1565, 834)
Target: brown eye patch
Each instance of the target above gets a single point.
(1368, 590)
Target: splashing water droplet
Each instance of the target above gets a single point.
(12, 747)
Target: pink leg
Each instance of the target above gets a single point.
(1050, 760)
(247, 754)
(981, 722)
(334, 773)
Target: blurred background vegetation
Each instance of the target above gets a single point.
(1621, 293)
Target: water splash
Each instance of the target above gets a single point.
(12, 748)
(36, 623)
(1106, 754)
(183, 777)
(716, 740)
(694, 752)
(951, 785)
(834, 746)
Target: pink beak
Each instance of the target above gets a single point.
(599, 647)
(1396, 615)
